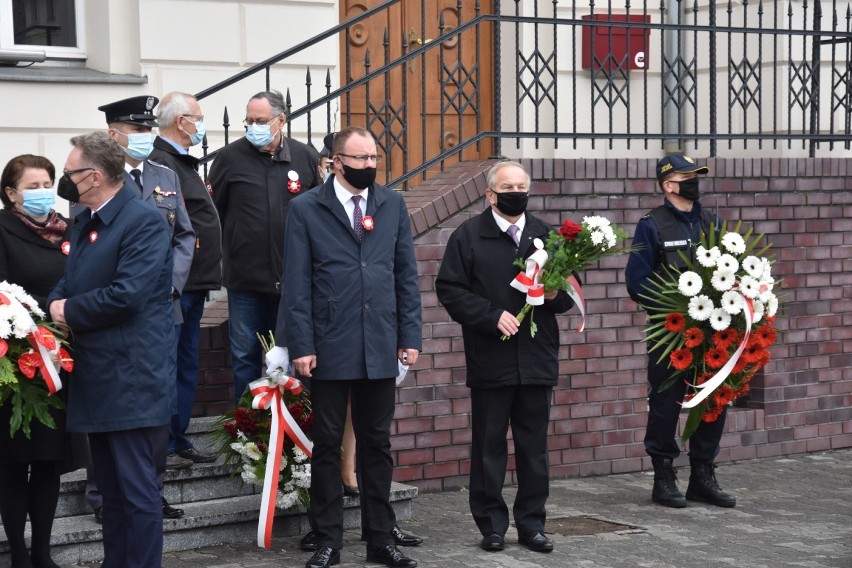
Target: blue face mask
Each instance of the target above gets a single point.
(38, 202)
(200, 131)
(139, 145)
(259, 135)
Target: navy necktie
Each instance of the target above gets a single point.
(137, 176)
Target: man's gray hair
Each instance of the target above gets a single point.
(492, 173)
(99, 151)
(275, 99)
(173, 106)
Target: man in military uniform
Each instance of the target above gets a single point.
(674, 227)
(253, 181)
(181, 127)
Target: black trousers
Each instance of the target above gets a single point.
(527, 408)
(663, 415)
(372, 412)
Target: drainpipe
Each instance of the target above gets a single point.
(671, 111)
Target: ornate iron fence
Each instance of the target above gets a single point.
(754, 77)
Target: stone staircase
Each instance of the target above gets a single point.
(218, 509)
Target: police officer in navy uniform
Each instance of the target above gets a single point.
(674, 226)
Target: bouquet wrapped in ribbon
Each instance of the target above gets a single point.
(569, 249)
(266, 439)
(713, 321)
(31, 354)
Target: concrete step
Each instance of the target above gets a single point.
(219, 508)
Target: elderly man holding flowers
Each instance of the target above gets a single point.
(662, 237)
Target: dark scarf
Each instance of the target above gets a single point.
(52, 229)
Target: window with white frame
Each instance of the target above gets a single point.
(52, 26)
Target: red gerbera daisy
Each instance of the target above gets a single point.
(766, 335)
(715, 358)
(740, 365)
(681, 359)
(693, 337)
(753, 352)
(675, 322)
(725, 338)
(712, 414)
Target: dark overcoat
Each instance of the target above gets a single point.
(350, 303)
(473, 285)
(118, 282)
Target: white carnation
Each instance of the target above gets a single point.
(286, 500)
(597, 237)
(734, 243)
(727, 263)
(720, 319)
(722, 280)
(732, 302)
(298, 455)
(689, 284)
(700, 307)
(707, 257)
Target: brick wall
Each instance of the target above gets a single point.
(801, 403)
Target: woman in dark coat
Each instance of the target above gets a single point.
(31, 256)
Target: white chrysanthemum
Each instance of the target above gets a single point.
(732, 302)
(252, 451)
(689, 284)
(609, 235)
(753, 266)
(734, 243)
(237, 447)
(283, 464)
(298, 455)
(707, 257)
(700, 307)
(758, 308)
(720, 319)
(302, 475)
(597, 237)
(286, 500)
(248, 477)
(722, 280)
(749, 287)
(595, 221)
(5, 328)
(772, 306)
(727, 263)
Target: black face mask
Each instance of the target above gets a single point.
(67, 189)
(689, 189)
(359, 179)
(512, 203)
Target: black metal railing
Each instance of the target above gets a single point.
(757, 78)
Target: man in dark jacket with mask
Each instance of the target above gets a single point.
(660, 235)
(510, 381)
(253, 180)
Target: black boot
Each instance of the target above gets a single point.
(703, 486)
(665, 490)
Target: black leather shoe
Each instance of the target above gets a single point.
(351, 491)
(174, 461)
(492, 542)
(402, 538)
(170, 512)
(309, 542)
(536, 542)
(196, 456)
(325, 556)
(99, 515)
(703, 486)
(389, 555)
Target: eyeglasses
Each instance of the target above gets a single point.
(69, 173)
(260, 121)
(363, 158)
(197, 117)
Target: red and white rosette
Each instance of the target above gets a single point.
(268, 394)
(707, 388)
(527, 281)
(576, 294)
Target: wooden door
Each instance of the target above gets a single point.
(430, 103)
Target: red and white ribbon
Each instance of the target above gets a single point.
(268, 394)
(576, 294)
(527, 281)
(707, 388)
(38, 337)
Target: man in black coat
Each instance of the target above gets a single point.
(510, 381)
(181, 127)
(253, 181)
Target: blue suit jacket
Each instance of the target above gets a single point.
(351, 304)
(118, 282)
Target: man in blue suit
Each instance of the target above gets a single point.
(116, 299)
(349, 313)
